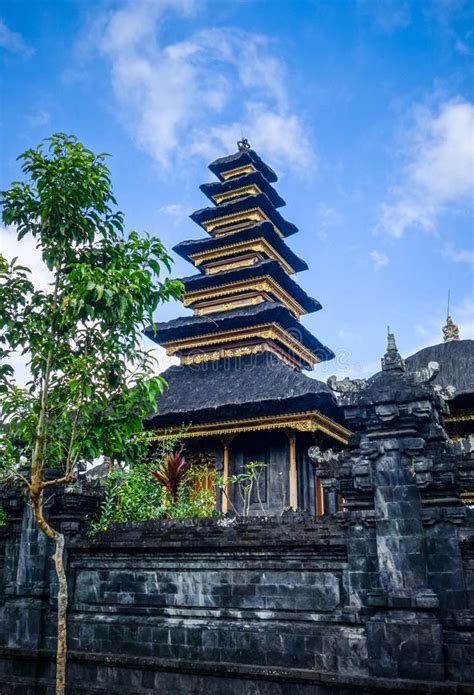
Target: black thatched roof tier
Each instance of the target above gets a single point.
(255, 178)
(247, 203)
(456, 362)
(263, 230)
(267, 268)
(266, 312)
(245, 387)
(241, 159)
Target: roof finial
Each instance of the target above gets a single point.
(392, 358)
(243, 145)
(450, 330)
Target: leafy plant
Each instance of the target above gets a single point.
(190, 502)
(245, 483)
(188, 485)
(131, 494)
(162, 486)
(92, 383)
(173, 472)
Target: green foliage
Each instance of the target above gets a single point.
(135, 493)
(82, 335)
(131, 494)
(3, 517)
(195, 497)
(173, 473)
(245, 483)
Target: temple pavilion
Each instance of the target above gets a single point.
(240, 393)
(455, 359)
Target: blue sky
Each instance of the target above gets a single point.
(365, 108)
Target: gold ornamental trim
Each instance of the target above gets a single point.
(466, 415)
(250, 215)
(212, 355)
(468, 498)
(249, 299)
(260, 245)
(308, 421)
(238, 262)
(265, 331)
(264, 283)
(233, 228)
(252, 189)
(238, 171)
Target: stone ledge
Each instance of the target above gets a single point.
(222, 670)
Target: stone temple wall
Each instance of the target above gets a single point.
(378, 598)
(284, 605)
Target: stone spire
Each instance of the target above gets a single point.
(450, 330)
(392, 358)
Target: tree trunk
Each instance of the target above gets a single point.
(61, 649)
(62, 600)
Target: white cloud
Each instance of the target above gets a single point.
(460, 255)
(328, 219)
(430, 331)
(38, 117)
(163, 361)
(177, 212)
(387, 15)
(438, 169)
(379, 259)
(345, 363)
(463, 315)
(27, 254)
(182, 98)
(462, 47)
(12, 41)
(279, 135)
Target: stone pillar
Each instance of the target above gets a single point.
(30, 589)
(26, 596)
(404, 634)
(392, 416)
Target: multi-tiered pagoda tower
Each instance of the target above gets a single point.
(239, 390)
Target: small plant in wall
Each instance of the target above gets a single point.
(245, 483)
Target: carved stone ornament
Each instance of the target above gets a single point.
(317, 455)
(346, 386)
(446, 392)
(450, 330)
(426, 374)
(392, 358)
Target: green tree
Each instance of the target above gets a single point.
(92, 382)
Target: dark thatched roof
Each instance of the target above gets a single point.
(258, 230)
(245, 387)
(245, 204)
(266, 312)
(456, 361)
(239, 159)
(216, 187)
(267, 267)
